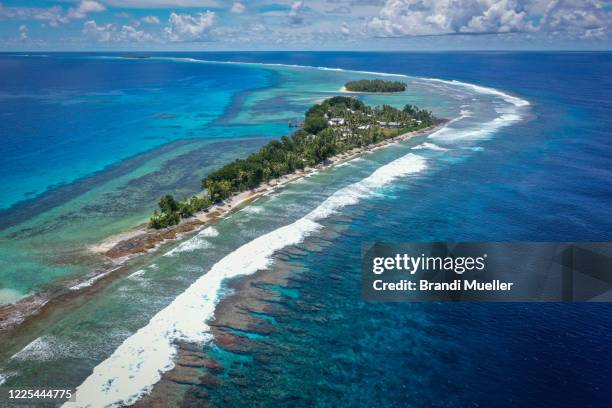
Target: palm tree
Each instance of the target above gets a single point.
(242, 177)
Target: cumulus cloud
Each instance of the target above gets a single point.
(111, 33)
(296, 12)
(84, 8)
(54, 15)
(30, 13)
(150, 20)
(585, 19)
(23, 32)
(189, 27)
(238, 8)
(578, 19)
(101, 33)
(173, 4)
(131, 34)
(419, 17)
(502, 16)
(319, 21)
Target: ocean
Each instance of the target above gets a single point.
(524, 158)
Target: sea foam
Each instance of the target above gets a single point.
(430, 146)
(138, 363)
(47, 348)
(92, 280)
(195, 243)
(507, 115)
(514, 100)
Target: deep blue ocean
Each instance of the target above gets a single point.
(545, 178)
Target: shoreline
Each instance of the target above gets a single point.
(142, 239)
(117, 250)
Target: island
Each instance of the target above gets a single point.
(375, 86)
(332, 127)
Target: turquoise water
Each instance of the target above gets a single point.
(130, 131)
(502, 170)
(68, 117)
(89, 144)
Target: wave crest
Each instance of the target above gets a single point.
(138, 363)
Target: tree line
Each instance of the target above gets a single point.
(375, 85)
(319, 139)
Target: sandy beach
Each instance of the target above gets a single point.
(122, 247)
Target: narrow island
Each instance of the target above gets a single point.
(375, 86)
(335, 126)
(335, 131)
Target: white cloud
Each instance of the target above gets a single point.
(295, 14)
(189, 27)
(258, 28)
(111, 33)
(585, 19)
(83, 9)
(23, 32)
(173, 4)
(502, 16)
(238, 8)
(54, 15)
(418, 17)
(345, 28)
(131, 34)
(103, 33)
(30, 13)
(150, 19)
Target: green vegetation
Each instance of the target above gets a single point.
(171, 211)
(375, 85)
(337, 125)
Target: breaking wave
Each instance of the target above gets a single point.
(138, 363)
(430, 146)
(197, 242)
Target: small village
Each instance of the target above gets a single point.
(360, 122)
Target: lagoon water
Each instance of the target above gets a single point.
(529, 162)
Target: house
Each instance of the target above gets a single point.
(394, 125)
(336, 121)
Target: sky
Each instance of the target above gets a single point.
(212, 25)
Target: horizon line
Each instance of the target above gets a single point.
(313, 50)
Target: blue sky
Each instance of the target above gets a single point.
(305, 24)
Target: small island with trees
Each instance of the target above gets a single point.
(335, 126)
(375, 86)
